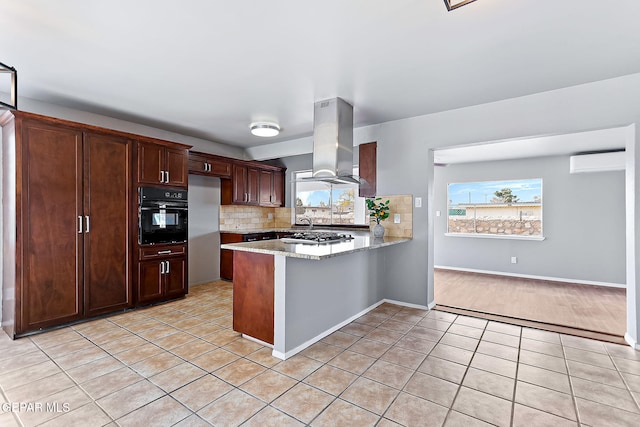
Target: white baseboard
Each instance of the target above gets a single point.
(256, 340)
(529, 276)
(406, 304)
(633, 343)
(298, 349)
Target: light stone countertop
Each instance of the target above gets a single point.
(362, 241)
(294, 230)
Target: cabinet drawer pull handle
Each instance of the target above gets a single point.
(167, 269)
(79, 224)
(167, 180)
(162, 267)
(162, 176)
(164, 252)
(87, 219)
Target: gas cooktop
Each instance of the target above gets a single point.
(316, 238)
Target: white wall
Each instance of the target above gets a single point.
(204, 234)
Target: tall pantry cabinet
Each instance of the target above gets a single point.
(71, 248)
(69, 221)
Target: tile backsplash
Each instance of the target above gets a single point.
(234, 218)
(402, 205)
(253, 218)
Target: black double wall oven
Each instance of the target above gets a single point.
(162, 216)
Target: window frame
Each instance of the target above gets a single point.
(502, 183)
(298, 179)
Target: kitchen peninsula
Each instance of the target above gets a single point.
(291, 295)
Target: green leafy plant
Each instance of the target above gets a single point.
(378, 210)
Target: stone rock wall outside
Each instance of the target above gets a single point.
(531, 227)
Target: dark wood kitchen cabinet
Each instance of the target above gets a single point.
(368, 169)
(72, 217)
(271, 188)
(70, 220)
(209, 165)
(160, 164)
(254, 184)
(162, 275)
(245, 181)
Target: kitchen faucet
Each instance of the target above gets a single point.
(308, 220)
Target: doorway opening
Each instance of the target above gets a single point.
(570, 281)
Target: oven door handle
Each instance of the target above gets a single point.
(167, 208)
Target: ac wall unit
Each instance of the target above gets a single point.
(599, 162)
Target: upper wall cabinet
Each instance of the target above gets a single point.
(209, 165)
(161, 164)
(271, 188)
(254, 184)
(367, 165)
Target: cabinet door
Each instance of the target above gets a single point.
(150, 281)
(198, 165)
(277, 198)
(176, 166)
(107, 184)
(150, 163)
(266, 188)
(176, 277)
(239, 181)
(253, 184)
(50, 280)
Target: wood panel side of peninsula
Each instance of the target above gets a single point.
(253, 291)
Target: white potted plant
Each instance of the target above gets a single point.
(378, 211)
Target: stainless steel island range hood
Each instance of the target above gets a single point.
(333, 142)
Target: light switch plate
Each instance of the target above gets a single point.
(269, 216)
(437, 213)
(418, 202)
(396, 218)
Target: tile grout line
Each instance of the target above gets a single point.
(574, 398)
(624, 381)
(468, 366)
(515, 381)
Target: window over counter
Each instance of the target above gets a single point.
(508, 209)
(328, 204)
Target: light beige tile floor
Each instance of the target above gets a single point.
(181, 364)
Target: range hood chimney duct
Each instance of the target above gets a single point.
(333, 141)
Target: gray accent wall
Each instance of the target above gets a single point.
(583, 223)
(204, 229)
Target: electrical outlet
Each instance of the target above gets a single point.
(438, 213)
(396, 218)
(418, 202)
(514, 260)
(269, 216)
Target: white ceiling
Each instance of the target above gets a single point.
(207, 68)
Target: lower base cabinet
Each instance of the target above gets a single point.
(162, 274)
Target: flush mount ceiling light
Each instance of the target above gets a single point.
(454, 4)
(264, 129)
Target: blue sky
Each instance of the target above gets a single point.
(313, 198)
(483, 192)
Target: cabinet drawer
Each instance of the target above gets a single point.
(154, 252)
(230, 238)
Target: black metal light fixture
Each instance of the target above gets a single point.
(454, 4)
(14, 86)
